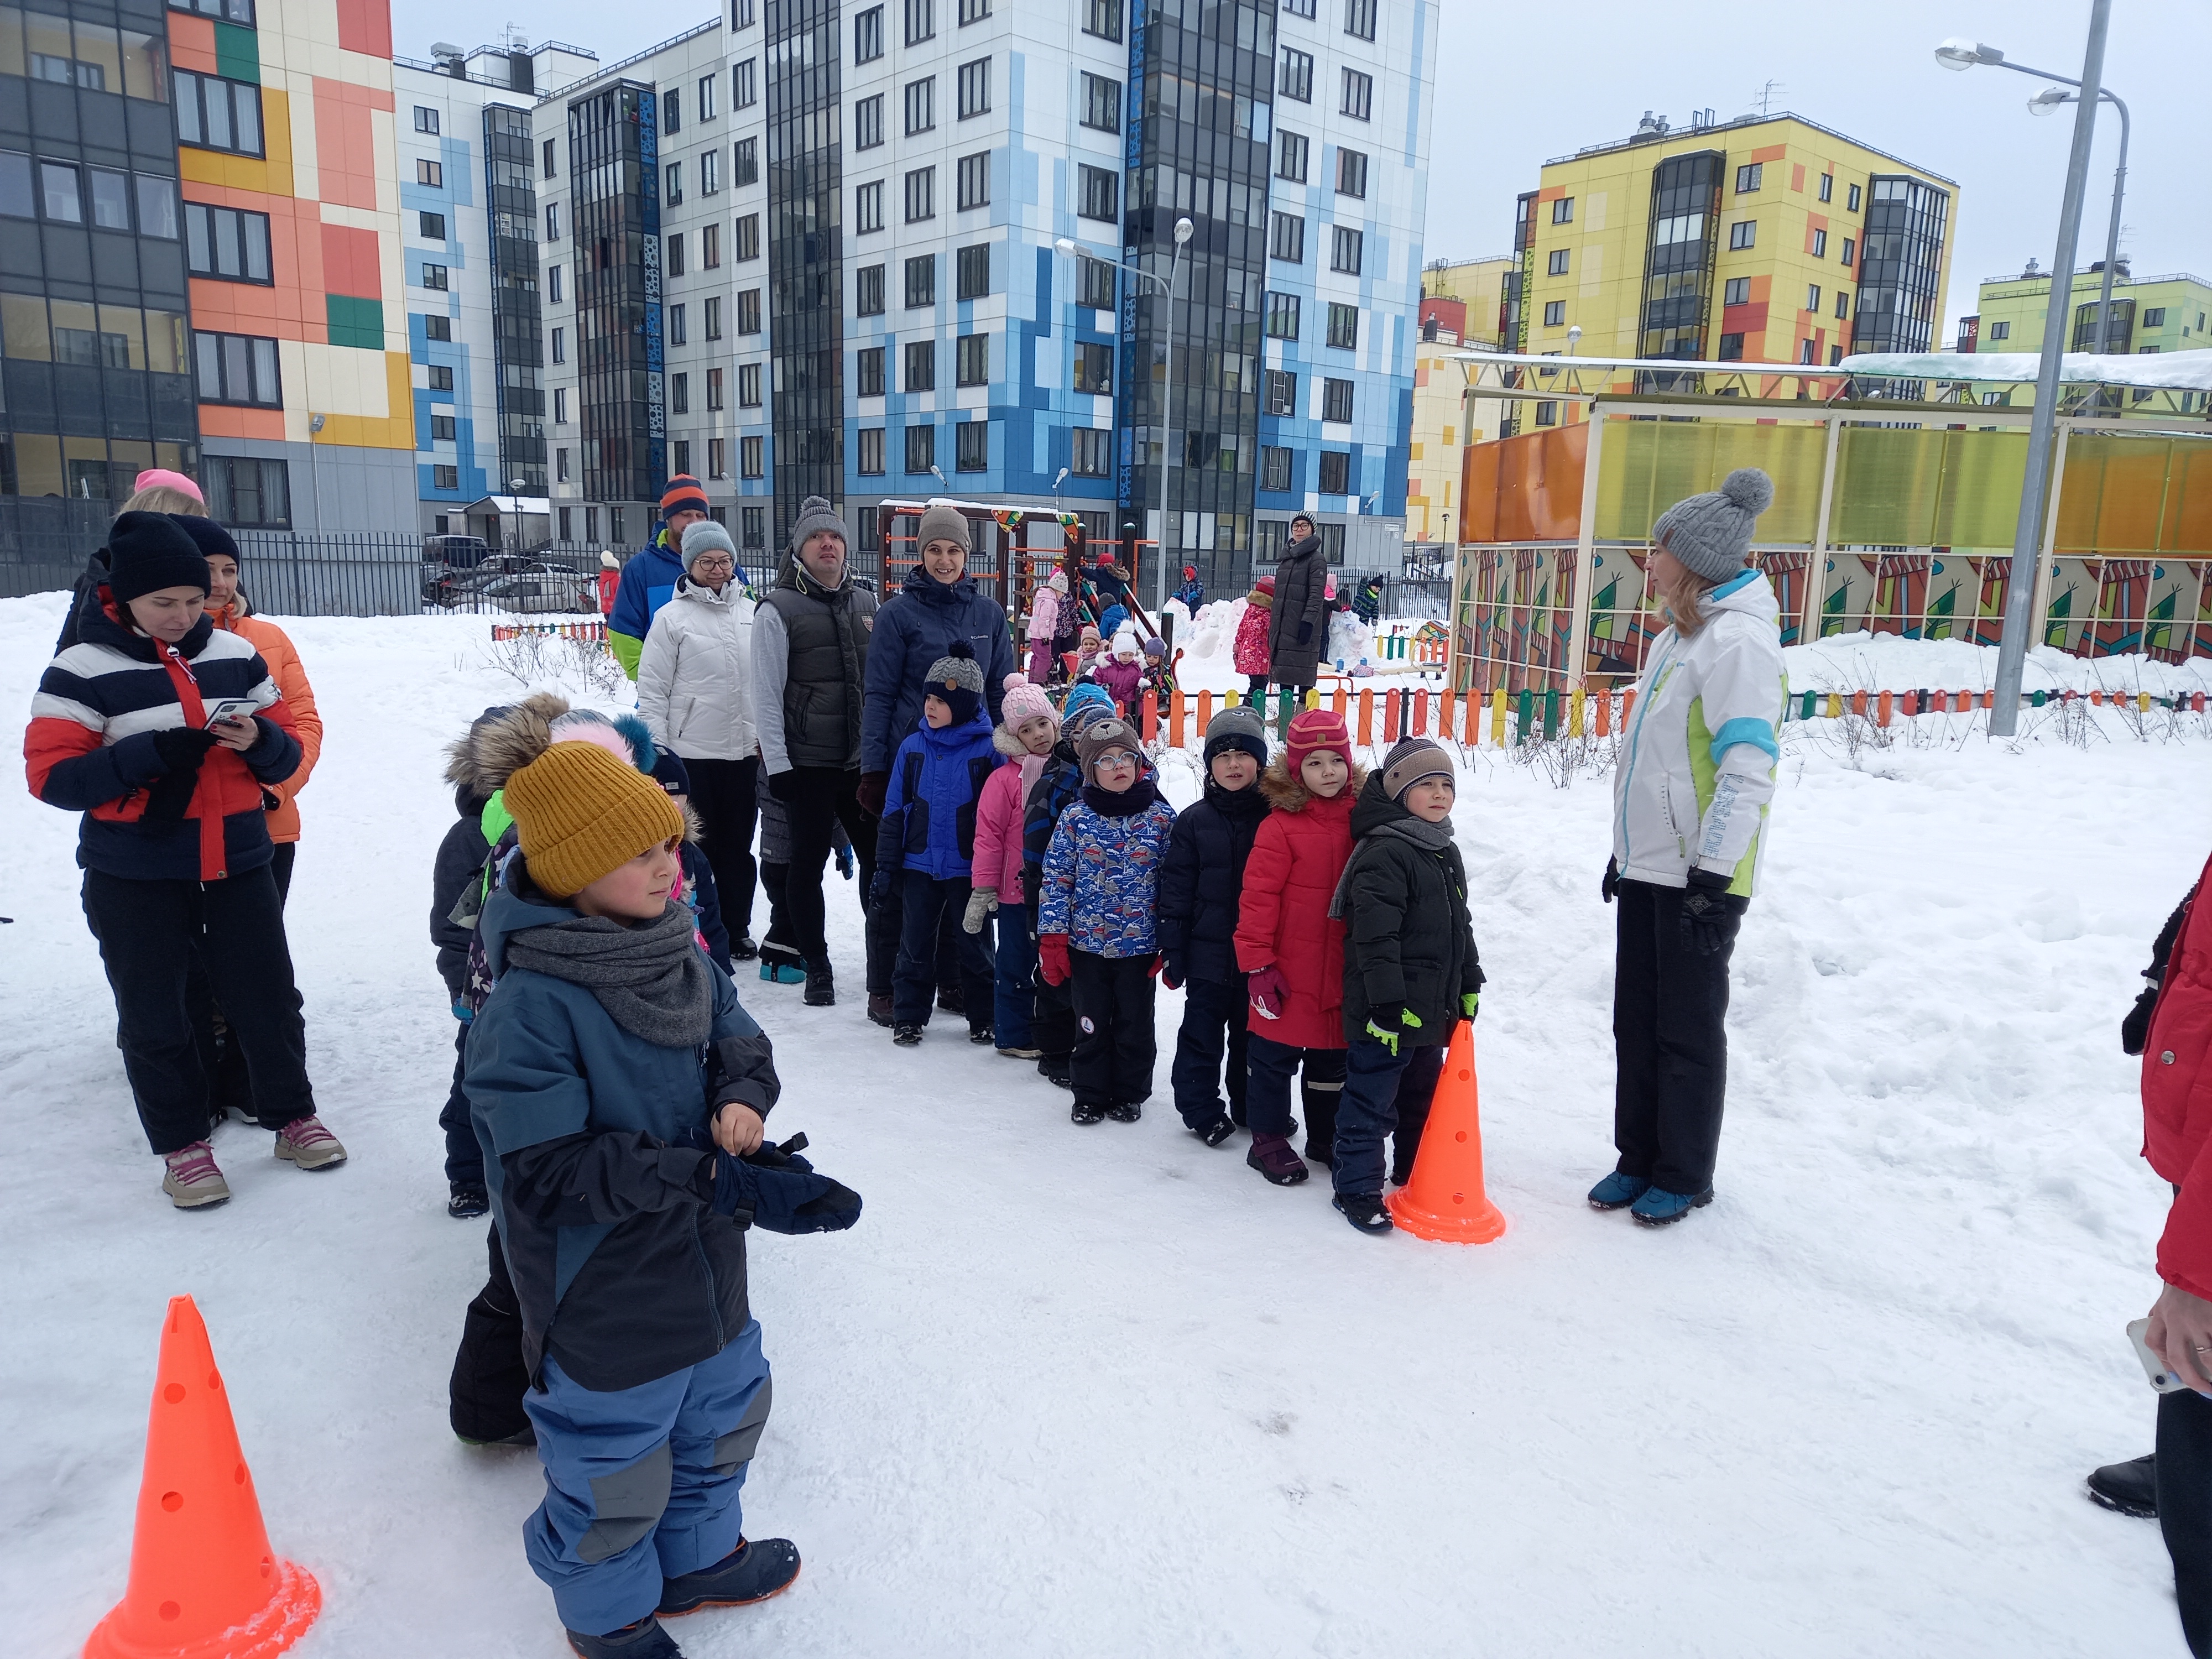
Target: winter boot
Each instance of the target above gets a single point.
(1364, 1211)
(743, 948)
(484, 1394)
(1273, 1157)
(2129, 1488)
(1086, 1111)
(1125, 1111)
(751, 1572)
(981, 1036)
(1215, 1132)
(643, 1640)
(1618, 1191)
(1658, 1207)
(879, 1007)
(1053, 1069)
(468, 1200)
(906, 1036)
(1320, 1101)
(305, 1142)
(1021, 1053)
(191, 1179)
(952, 998)
(782, 973)
(821, 989)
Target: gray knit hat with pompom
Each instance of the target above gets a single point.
(1711, 533)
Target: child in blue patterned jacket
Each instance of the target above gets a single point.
(1096, 920)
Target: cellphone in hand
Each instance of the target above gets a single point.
(2154, 1367)
(231, 708)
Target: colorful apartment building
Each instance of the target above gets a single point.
(1460, 306)
(2149, 314)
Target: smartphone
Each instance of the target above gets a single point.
(2154, 1367)
(232, 708)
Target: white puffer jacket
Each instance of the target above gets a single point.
(695, 678)
(1697, 772)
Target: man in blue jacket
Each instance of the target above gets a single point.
(649, 579)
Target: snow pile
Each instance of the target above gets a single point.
(2180, 371)
(1105, 1391)
(1889, 662)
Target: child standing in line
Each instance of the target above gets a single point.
(929, 831)
(1087, 650)
(1290, 949)
(1410, 970)
(1026, 734)
(1250, 654)
(1159, 673)
(1044, 627)
(1123, 673)
(1096, 922)
(1052, 1025)
(1199, 884)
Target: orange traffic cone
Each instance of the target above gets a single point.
(204, 1584)
(1445, 1198)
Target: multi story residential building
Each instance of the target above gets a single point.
(1461, 306)
(1768, 239)
(468, 175)
(2148, 313)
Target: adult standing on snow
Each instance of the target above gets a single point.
(1297, 629)
(810, 668)
(648, 580)
(1689, 807)
(695, 690)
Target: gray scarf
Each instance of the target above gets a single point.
(650, 977)
(1419, 832)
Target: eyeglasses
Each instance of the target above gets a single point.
(714, 562)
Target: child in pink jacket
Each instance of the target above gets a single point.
(1250, 654)
(1026, 733)
(1044, 626)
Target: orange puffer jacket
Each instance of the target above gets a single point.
(299, 697)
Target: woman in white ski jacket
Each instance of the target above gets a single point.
(1690, 796)
(694, 692)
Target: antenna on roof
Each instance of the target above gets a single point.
(1766, 97)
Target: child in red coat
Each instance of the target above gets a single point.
(1290, 951)
(1251, 652)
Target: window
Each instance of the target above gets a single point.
(868, 122)
(1336, 400)
(1851, 200)
(1286, 239)
(1358, 94)
(1269, 537)
(868, 36)
(1350, 173)
(748, 162)
(753, 457)
(1336, 471)
(749, 240)
(1101, 102)
(1547, 414)
(870, 463)
(748, 311)
(1345, 247)
(1555, 314)
(560, 405)
(1279, 393)
(437, 328)
(1563, 210)
(974, 11)
(1300, 8)
(920, 366)
(218, 114)
(1094, 369)
(1282, 316)
(971, 447)
(434, 174)
(920, 20)
(1743, 234)
(227, 244)
(1747, 178)
(553, 283)
(974, 181)
(707, 87)
(920, 281)
(1274, 468)
(1835, 355)
(157, 205)
(239, 369)
(2155, 317)
(439, 378)
(432, 225)
(679, 394)
(976, 88)
(441, 429)
(710, 171)
(920, 448)
(672, 254)
(445, 478)
(1094, 283)
(1091, 452)
(1290, 156)
(435, 276)
(426, 120)
(561, 476)
(672, 111)
(1359, 18)
(1737, 291)
(683, 455)
(713, 316)
(1807, 352)
(920, 195)
(868, 208)
(868, 291)
(868, 372)
(674, 193)
(749, 385)
(1343, 327)
(714, 400)
(972, 272)
(552, 221)
(560, 348)
(920, 105)
(1103, 18)
(1100, 193)
(1819, 244)
(1851, 252)
(547, 158)
(1843, 302)
(1812, 296)
(677, 335)
(1297, 78)
(717, 458)
(744, 84)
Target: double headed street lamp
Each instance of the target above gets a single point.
(1183, 228)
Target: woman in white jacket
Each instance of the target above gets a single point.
(694, 692)
(1689, 794)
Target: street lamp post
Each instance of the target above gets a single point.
(2046, 102)
(2027, 534)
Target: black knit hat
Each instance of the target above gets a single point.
(1239, 728)
(207, 535)
(147, 552)
(956, 679)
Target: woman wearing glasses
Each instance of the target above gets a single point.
(695, 690)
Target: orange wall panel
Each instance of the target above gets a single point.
(351, 265)
(191, 42)
(222, 421)
(365, 26)
(345, 146)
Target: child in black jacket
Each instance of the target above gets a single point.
(1198, 888)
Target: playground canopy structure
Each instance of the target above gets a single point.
(1008, 557)
(1898, 481)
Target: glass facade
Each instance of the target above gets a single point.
(511, 201)
(1680, 251)
(1900, 263)
(614, 163)
(806, 306)
(95, 367)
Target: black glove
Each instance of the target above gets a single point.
(873, 786)
(2134, 1029)
(784, 786)
(182, 747)
(1171, 974)
(1709, 916)
(1305, 632)
(775, 1188)
(1611, 883)
(879, 890)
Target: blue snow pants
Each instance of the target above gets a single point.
(1014, 965)
(641, 1484)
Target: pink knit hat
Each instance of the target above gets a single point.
(1026, 701)
(161, 476)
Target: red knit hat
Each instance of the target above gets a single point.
(1315, 731)
(684, 494)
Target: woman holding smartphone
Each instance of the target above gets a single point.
(174, 844)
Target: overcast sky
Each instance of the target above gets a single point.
(1520, 82)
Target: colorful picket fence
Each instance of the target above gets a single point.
(584, 633)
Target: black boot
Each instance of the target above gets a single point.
(643, 1640)
(466, 1199)
(1320, 1101)
(951, 997)
(1364, 1211)
(821, 991)
(751, 1572)
(879, 1007)
(2129, 1488)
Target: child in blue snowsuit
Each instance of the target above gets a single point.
(928, 831)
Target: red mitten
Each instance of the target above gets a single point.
(1153, 972)
(1052, 958)
(1269, 990)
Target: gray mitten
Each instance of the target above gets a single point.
(982, 905)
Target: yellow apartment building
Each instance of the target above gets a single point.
(1460, 306)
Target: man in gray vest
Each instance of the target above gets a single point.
(810, 662)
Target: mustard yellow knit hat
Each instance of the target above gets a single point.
(582, 814)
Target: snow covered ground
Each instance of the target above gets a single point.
(1103, 1391)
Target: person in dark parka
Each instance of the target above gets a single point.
(1297, 628)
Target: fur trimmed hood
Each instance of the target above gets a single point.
(1286, 793)
(501, 742)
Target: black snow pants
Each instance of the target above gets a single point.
(1669, 1040)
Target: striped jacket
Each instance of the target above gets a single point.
(90, 749)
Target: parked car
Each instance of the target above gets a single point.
(457, 552)
(538, 592)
